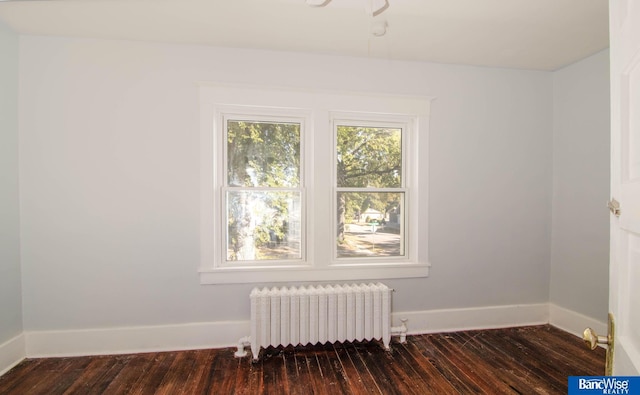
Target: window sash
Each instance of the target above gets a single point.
(260, 119)
(366, 120)
(367, 123)
(365, 241)
(258, 115)
(301, 225)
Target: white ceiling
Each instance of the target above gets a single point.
(527, 34)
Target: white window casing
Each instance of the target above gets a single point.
(317, 112)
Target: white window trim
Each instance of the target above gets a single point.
(320, 108)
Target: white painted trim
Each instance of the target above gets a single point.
(573, 322)
(624, 363)
(303, 274)
(453, 320)
(318, 264)
(205, 335)
(226, 334)
(107, 341)
(12, 352)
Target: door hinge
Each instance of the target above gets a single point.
(614, 207)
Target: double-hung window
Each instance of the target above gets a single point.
(263, 196)
(370, 189)
(307, 186)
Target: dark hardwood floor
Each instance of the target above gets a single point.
(524, 360)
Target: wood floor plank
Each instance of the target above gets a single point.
(318, 376)
(500, 367)
(385, 380)
(527, 360)
(275, 380)
(303, 382)
(461, 383)
(533, 379)
(177, 374)
(403, 372)
(129, 377)
(66, 376)
(93, 373)
(428, 378)
(47, 372)
(256, 378)
(215, 376)
(224, 372)
(338, 377)
(118, 363)
(291, 370)
(432, 379)
(467, 368)
(17, 375)
(360, 379)
(566, 344)
(522, 359)
(153, 377)
(552, 366)
(198, 380)
(475, 368)
(187, 371)
(243, 373)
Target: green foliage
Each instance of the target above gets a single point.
(266, 155)
(263, 154)
(369, 157)
(356, 203)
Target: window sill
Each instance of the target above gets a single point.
(303, 274)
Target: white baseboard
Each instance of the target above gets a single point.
(12, 352)
(452, 320)
(572, 322)
(135, 339)
(227, 334)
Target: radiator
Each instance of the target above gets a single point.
(319, 314)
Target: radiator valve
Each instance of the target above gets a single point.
(242, 343)
(400, 330)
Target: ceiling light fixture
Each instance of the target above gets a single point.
(376, 7)
(318, 3)
(371, 7)
(379, 28)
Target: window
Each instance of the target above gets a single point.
(275, 164)
(370, 189)
(263, 194)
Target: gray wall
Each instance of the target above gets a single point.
(10, 281)
(580, 241)
(110, 178)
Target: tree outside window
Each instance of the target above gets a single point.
(370, 191)
(263, 194)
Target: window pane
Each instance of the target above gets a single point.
(263, 225)
(263, 154)
(370, 224)
(369, 157)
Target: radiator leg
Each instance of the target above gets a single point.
(255, 351)
(400, 331)
(242, 343)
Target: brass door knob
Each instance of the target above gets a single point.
(591, 339)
